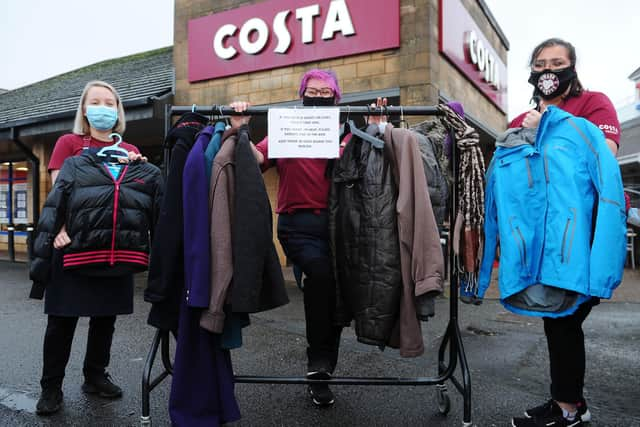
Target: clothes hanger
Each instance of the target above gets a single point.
(350, 127)
(122, 153)
(223, 117)
(344, 130)
(403, 123)
(376, 142)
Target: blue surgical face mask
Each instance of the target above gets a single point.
(102, 117)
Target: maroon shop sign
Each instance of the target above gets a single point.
(466, 47)
(279, 33)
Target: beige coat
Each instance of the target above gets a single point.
(221, 197)
(421, 258)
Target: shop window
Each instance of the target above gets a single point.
(15, 194)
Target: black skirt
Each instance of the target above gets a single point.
(70, 293)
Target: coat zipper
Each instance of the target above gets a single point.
(573, 233)
(529, 172)
(564, 237)
(564, 240)
(519, 238)
(546, 164)
(116, 196)
(524, 247)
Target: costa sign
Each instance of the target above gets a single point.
(483, 59)
(466, 47)
(279, 33)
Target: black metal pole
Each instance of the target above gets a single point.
(10, 226)
(355, 110)
(35, 173)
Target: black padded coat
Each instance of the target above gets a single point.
(107, 219)
(364, 240)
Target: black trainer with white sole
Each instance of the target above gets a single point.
(551, 421)
(551, 407)
(321, 394)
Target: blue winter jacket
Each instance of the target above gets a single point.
(558, 209)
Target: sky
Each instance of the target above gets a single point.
(43, 38)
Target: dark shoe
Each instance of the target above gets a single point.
(50, 401)
(551, 407)
(553, 421)
(321, 394)
(102, 386)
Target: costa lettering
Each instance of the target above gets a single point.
(279, 33)
(464, 44)
(337, 20)
(483, 59)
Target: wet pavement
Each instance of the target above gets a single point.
(506, 353)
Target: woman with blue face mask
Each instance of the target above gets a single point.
(70, 295)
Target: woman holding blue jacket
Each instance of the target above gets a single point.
(556, 83)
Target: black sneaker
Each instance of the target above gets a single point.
(320, 394)
(102, 386)
(551, 407)
(547, 421)
(50, 401)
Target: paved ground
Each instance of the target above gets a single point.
(506, 354)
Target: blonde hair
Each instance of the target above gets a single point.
(81, 124)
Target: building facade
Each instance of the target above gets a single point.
(430, 51)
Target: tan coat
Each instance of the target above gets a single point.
(421, 258)
(221, 197)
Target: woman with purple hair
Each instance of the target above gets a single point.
(303, 231)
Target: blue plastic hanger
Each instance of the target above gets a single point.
(122, 153)
(349, 126)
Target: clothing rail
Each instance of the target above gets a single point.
(357, 110)
(452, 338)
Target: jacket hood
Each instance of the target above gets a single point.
(516, 136)
(503, 156)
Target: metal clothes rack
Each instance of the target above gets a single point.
(452, 338)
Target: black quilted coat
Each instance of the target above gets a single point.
(108, 220)
(364, 239)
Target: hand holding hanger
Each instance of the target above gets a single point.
(379, 118)
(240, 106)
(134, 157)
(533, 116)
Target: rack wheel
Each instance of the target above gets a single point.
(145, 421)
(444, 402)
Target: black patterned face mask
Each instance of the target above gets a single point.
(550, 84)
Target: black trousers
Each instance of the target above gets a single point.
(305, 239)
(57, 347)
(566, 353)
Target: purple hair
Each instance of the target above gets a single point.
(326, 76)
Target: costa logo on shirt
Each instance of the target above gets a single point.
(609, 129)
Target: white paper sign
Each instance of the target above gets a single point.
(304, 133)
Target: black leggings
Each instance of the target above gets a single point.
(57, 347)
(566, 353)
